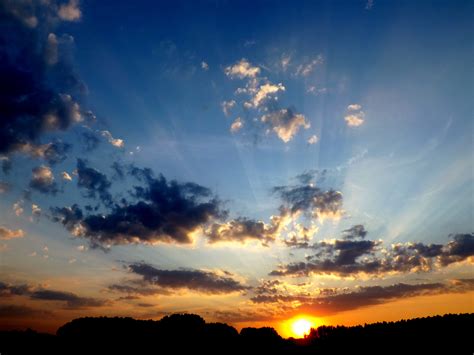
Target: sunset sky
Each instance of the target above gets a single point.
(253, 162)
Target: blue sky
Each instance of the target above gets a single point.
(372, 100)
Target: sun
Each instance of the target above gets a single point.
(301, 327)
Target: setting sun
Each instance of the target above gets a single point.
(301, 327)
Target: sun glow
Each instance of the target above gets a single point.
(301, 327)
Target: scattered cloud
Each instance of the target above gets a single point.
(93, 181)
(242, 69)
(313, 139)
(227, 106)
(308, 67)
(285, 123)
(236, 125)
(356, 116)
(204, 66)
(116, 142)
(43, 180)
(7, 234)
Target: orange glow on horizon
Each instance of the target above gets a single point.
(299, 326)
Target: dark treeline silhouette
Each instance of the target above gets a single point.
(190, 334)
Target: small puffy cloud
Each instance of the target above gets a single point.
(227, 106)
(354, 107)
(264, 91)
(18, 208)
(236, 125)
(43, 180)
(204, 66)
(356, 116)
(35, 210)
(285, 123)
(316, 91)
(116, 142)
(285, 61)
(65, 176)
(355, 120)
(7, 234)
(70, 11)
(313, 139)
(242, 69)
(53, 153)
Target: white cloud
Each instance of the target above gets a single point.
(204, 65)
(116, 142)
(356, 116)
(242, 69)
(236, 125)
(285, 62)
(66, 176)
(70, 11)
(35, 210)
(354, 107)
(285, 123)
(307, 68)
(264, 91)
(227, 106)
(315, 91)
(313, 139)
(7, 234)
(18, 208)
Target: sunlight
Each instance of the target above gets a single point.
(301, 327)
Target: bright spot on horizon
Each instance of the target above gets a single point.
(301, 327)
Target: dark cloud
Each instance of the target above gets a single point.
(90, 140)
(56, 152)
(347, 257)
(42, 180)
(164, 211)
(357, 231)
(19, 311)
(6, 165)
(308, 198)
(190, 279)
(71, 300)
(93, 181)
(336, 301)
(38, 83)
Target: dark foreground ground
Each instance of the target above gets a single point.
(189, 334)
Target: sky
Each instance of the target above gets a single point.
(253, 162)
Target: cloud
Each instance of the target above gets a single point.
(308, 198)
(307, 68)
(264, 92)
(7, 234)
(209, 282)
(332, 301)
(243, 229)
(90, 140)
(118, 143)
(71, 300)
(227, 106)
(313, 139)
(43, 180)
(19, 311)
(346, 257)
(70, 11)
(4, 187)
(242, 69)
(357, 231)
(39, 85)
(65, 176)
(35, 210)
(285, 123)
(204, 66)
(354, 107)
(356, 116)
(93, 181)
(236, 125)
(54, 152)
(164, 211)
(18, 208)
